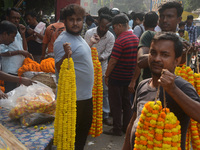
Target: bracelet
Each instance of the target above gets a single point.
(20, 79)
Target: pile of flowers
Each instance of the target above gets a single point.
(97, 95)
(65, 119)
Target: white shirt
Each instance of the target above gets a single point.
(11, 64)
(104, 46)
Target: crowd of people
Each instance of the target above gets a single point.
(131, 48)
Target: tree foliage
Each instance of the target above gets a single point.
(127, 5)
(190, 5)
(46, 6)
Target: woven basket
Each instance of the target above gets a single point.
(11, 141)
(46, 79)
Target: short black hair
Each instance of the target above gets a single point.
(105, 16)
(104, 10)
(178, 46)
(8, 27)
(140, 16)
(181, 24)
(8, 11)
(150, 19)
(181, 31)
(190, 17)
(89, 18)
(132, 14)
(31, 13)
(73, 9)
(172, 4)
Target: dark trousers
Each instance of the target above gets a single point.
(119, 100)
(9, 86)
(83, 122)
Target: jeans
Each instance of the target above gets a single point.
(106, 106)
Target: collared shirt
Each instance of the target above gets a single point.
(192, 31)
(125, 51)
(11, 64)
(104, 46)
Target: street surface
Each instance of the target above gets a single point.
(105, 142)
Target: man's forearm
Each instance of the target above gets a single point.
(24, 42)
(143, 61)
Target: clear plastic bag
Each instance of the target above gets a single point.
(36, 98)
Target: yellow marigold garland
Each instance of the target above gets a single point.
(65, 119)
(97, 95)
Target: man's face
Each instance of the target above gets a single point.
(14, 17)
(162, 56)
(103, 28)
(189, 22)
(30, 20)
(116, 29)
(168, 20)
(74, 24)
(8, 39)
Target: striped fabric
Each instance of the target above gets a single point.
(125, 51)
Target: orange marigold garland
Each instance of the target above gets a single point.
(29, 65)
(48, 65)
(2, 86)
(193, 134)
(97, 94)
(157, 128)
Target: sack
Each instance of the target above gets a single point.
(36, 98)
(35, 119)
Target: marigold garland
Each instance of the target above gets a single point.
(48, 65)
(65, 119)
(29, 65)
(97, 96)
(193, 134)
(157, 129)
(2, 86)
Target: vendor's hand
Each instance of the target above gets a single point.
(26, 81)
(131, 87)
(25, 53)
(167, 80)
(95, 39)
(67, 49)
(22, 29)
(3, 95)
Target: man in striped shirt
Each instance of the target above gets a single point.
(120, 71)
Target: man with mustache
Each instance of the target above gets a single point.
(169, 16)
(181, 97)
(71, 44)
